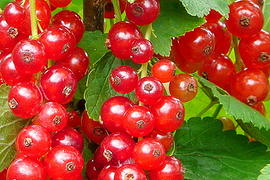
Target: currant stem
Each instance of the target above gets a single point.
(217, 111)
(33, 17)
(238, 60)
(210, 105)
(117, 10)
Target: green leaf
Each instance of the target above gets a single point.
(98, 85)
(265, 173)
(94, 44)
(266, 13)
(3, 3)
(173, 21)
(255, 124)
(202, 7)
(10, 126)
(207, 152)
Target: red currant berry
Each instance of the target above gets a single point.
(227, 123)
(60, 3)
(213, 16)
(141, 51)
(9, 36)
(138, 121)
(53, 116)
(143, 12)
(109, 9)
(249, 86)
(29, 56)
(14, 14)
(183, 87)
(74, 120)
(171, 119)
(78, 62)
(121, 36)
(25, 99)
(197, 45)
(260, 107)
(245, 19)
(124, 79)
(68, 136)
(43, 12)
(33, 141)
(107, 173)
(58, 40)
(10, 74)
(223, 37)
(149, 90)
(117, 147)
(163, 70)
(58, 84)
(130, 171)
(171, 169)
(255, 50)
(91, 171)
(113, 111)
(72, 21)
(92, 129)
(149, 153)
(218, 69)
(165, 138)
(26, 168)
(64, 162)
(185, 65)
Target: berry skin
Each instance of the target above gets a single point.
(58, 84)
(171, 119)
(26, 168)
(113, 111)
(171, 169)
(138, 121)
(14, 14)
(92, 129)
(163, 70)
(78, 62)
(109, 9)
(10, 74)
(25, 99)
(60, 3)
(143, 12)
(52, 116)
(121, 36)
(250, 86)
(245, 19)
(64, 162)
(165, 138)
(117, 147)
(255, 50)
(183, 87)
(59, 42)
(33, 141)
(124, 79)
(129, 171)
(72, 21)
(29, 56)
(141, 51)
(197, 45)
(68, 136)
(218, 69)
(149, 90)
(148, 153)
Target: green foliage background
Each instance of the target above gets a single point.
(205, 150)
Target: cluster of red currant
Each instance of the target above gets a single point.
(135, 136)
(40, 61)
(205, 50)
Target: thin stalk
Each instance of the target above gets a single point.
(217, 111)
(34, 21)
(117, 10)
(210, 105)
(238, 60)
